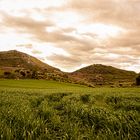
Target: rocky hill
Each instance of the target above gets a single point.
(18, 65)
(104, 75)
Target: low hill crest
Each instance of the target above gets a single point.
(22, 65)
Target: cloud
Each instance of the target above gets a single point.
(103, 31)
(28, 46)
(36, 52)
(24, 24)
(123, 13)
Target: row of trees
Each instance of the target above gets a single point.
(35, 74)
(18, 74)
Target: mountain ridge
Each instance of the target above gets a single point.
(21, 65)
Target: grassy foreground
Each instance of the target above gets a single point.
(46, 110)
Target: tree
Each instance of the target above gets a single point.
(34, 75)
(23, 73)
(9, 75)
(138, 81)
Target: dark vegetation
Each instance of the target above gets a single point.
(138, 81)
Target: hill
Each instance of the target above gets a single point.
(13, 59)
(104, 75)
(18, 65)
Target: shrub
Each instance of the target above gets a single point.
(9, 75)
(85, 98)
(138, 80)
(23, 73)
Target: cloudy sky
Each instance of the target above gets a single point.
(70, 34)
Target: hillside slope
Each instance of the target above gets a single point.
(13, 59)
(103, 75)
(15, 64)
(18, 65)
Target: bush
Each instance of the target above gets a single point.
(85, 98)
(23, 73)
(138, 80)
(9, 75)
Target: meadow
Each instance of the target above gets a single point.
(48, 110)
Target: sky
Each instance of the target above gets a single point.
(71, 34)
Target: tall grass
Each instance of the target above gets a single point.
(77, 113)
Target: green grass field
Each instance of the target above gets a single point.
(47, 110)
